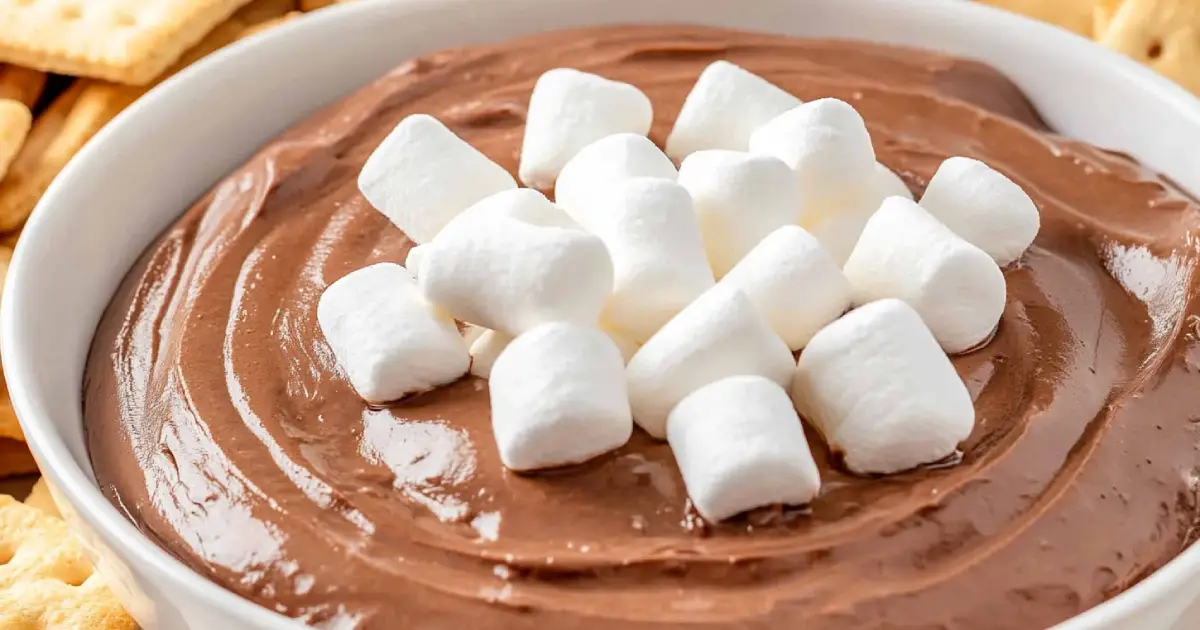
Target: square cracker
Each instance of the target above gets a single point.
(1163, 34)
(46, 581)
(41, 498)
(77, 114)
(127, 41)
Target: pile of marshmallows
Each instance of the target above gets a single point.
(674, 299)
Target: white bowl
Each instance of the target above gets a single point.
(141, 172)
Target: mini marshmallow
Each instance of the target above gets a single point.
(881, 391)
(886, 183)
(739, 199)
(569, 110)
(839, 230)
(724, 108)
(907, 254)
(795, 283)
(602, 165)
(484, 351)
(559, 397)
(389, 341)
(721, 334)
(522, 204)
(509, 275)
(412, 262)
(658, 258)
(422, 175)
(984, 207)
(827, 144)
(740, 445)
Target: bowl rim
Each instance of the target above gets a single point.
(85, 498)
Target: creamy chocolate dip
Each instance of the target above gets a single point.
(219, 423)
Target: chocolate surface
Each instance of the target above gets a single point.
(219, 422)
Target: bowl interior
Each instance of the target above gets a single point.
(167, 150)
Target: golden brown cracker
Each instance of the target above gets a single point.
(70, 121)
(15, 459)
(15, 123)
(1073, 15)
(265, 10)
(126, 41)
(22, 84)
(76, 115)
(313, 5)
(46, 581)
(1164, 34)
(247, 18)
(20, 89)
(9, 240)
(9, 427)
(270, 24)
(40, 498)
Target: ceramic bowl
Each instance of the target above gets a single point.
(146, 167)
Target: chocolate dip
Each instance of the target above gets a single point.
(219, 423)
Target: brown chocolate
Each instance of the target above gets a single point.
(218, 421)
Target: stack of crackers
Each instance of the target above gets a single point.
(67, 67)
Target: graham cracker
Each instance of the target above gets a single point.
(84, 108)
(40, 498)
(46, 581)
(126, 41)
(1163, 34)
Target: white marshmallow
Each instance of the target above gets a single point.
(422, 175)
(658, 258)
(827, 144)
(886, 183)
(739, 199)
(484, 351)
(721, 334)
(559, 397)
(839, 230)
(882, 392)
(569, 110)
(724, 108)
(740, 445)
(509, 275)
(795, 283)
(412, 262)
(984, 207)
(388, 340)
(602, 165)
(907, 254)
(521, 204)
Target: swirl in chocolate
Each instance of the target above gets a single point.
(218, 421)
